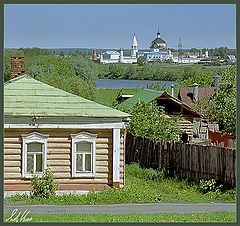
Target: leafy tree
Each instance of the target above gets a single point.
(61, 54)
(224, 107)
(141, 60)
(72, 74)
(29, 52)
(169, 61)
(194, 50)
(216, 62)
(158, 71)
(130, 71)
(222, 52)
(203, 107)
(83, 68)
(46, 65)
(149, 120)
(116, 71)
(72, 84)
(145, 72)
(199, 75)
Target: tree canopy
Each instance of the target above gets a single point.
(224, 108)
(75, 74)
(149, 120)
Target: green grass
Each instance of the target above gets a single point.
(160, 217)
(138, 189)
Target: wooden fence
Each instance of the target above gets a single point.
(184, 160)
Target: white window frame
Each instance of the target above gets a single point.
(84, 137)
(30, 138)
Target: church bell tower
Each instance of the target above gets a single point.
(134, 46)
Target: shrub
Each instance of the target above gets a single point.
(44, 187)
(206, 186)
(146, 174)
(149, 120)
(155, 175)
(224, 107)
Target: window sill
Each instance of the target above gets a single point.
(83, 175)
(31, 176)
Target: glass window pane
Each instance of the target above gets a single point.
(88, 162)
(79, 162)
(29, 163)
(84, 147)
(34, 147)
(39, 163)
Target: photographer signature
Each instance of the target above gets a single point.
(19, 216)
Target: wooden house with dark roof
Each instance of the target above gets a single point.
(195, 94)
(172, 106)
(82, 142)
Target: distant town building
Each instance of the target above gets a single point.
(134, 46)
(158, 51)
(158, 43)
(231, 58)
(109, 57)
(118, 56)
(94, 56)
(206, 54)
(191, 59)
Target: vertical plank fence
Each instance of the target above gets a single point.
(184, 160)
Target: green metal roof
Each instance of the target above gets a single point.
(25, 96)
(145, 95)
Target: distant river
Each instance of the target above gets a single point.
(128, 84)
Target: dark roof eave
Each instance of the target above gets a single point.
(181, 103)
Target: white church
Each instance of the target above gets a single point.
(118, 57)
(158, 52)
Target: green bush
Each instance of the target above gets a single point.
(148, 120)
(44, 187)
(155, 175)
(146, 174)
(224, 107)
(206, 186)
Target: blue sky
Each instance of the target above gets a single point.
(113, 25)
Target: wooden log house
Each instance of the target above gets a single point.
(81, 141)
(172, 106)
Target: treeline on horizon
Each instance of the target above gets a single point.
(77, 73)
(212, 51)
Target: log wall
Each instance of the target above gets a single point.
(59, 146)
